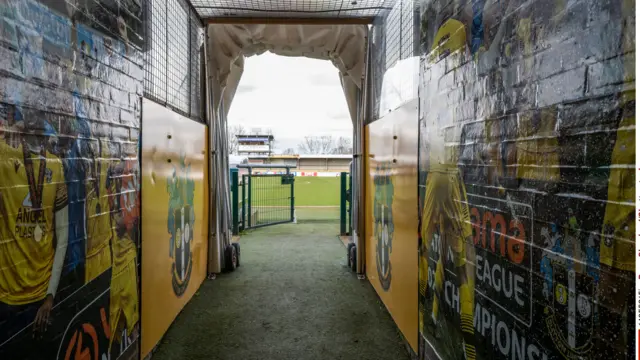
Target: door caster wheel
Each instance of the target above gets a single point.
(230, 258)
(352, 258)
(349, 246)
(237, 247)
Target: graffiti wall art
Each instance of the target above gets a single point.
(526, 127)
(69, 104)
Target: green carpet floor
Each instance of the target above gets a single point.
(292, 298)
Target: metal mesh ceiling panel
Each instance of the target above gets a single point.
(173, 60)
(395, 38)
(291, 8)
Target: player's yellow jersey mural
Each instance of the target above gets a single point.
(33, 191)
(69, 116)
(97, 212)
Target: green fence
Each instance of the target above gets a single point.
(268, 199)
(261, 199)
(345, 204)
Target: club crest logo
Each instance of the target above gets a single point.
(570, 314)
(383, 218)
(181, 219)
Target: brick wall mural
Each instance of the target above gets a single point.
(70, 105)
(526, 182)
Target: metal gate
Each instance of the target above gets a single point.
(262, 198)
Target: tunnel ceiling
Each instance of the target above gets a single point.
(315, 9)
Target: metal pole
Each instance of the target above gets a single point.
(244, 202)
(234, 201)
(350, 208)
(293, 204)
(343, 200)
(249, 224)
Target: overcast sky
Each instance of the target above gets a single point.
(294, 96)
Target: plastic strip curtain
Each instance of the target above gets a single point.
(220, 203)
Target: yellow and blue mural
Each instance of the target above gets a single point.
(391, 216)
(526, 179)
(70, 95)
(175, 217)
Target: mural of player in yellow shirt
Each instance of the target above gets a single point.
(109, 189)
(618, 240)
(99, 229)
(445, 216)
(33, 225)
(124, 313)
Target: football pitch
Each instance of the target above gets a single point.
(316, 198)
(317, 191)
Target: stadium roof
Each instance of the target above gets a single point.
(254, 136)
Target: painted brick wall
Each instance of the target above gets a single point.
(530, 134)
(70, 109)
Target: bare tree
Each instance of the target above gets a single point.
(310, 145)
(232, 146)
(343, 146)
(317, 145)
(289, 151)
(326, 144)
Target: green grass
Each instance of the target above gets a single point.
(317, 191)
(309, 191)
(319, 214)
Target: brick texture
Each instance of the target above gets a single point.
(70, 86)
(548, 143)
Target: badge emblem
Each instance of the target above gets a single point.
(383, 216)
(571, 314)
(180, 221)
